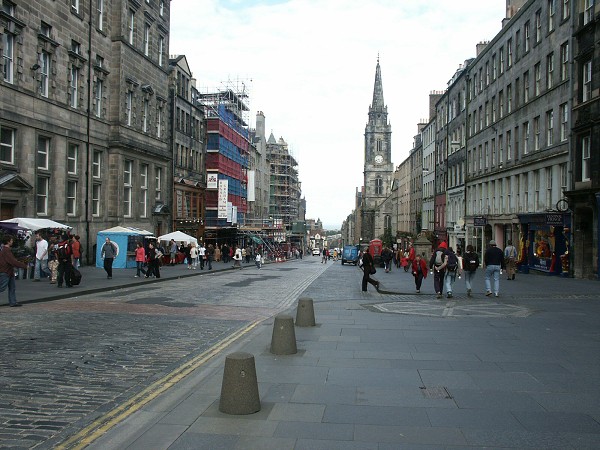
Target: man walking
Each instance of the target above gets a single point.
(109, 253)
(41, 257)
(494, 263)
(510, 258)
(435, 265)
(8, 262)
(64, 255)
(452, 267)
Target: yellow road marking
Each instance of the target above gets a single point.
(101, 425)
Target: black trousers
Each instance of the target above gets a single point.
(108, 262)
(418, 280)
(65, 271)
(367, 279)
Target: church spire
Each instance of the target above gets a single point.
(378, 103)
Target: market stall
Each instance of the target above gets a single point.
(125, 239)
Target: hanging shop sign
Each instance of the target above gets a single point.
(479, 221)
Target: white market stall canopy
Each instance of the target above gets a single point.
(37, 224)
(126, 230)
(178, 236)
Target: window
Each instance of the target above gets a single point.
(563, 178)
(481, 118)
(131, 26)
(494, 118)
(486, 155)
(71, 198)
(536, 187)
(550, 71)
(550, 128)
(566, 9)
(72, 158)
(41, 193)
(159, 119)
(536, 133)
(548, 187)
(518, 43)
(564, 61)
(588, 11)
(100, 14)
(494, 67)
(526, 87)
(96, 189)
(585, 158)
(500, 150)
(538, 79)
(158, 182)
(8, 41)
(73, 87)
(45, 29)
(75, 47)
(75, 6)
(509, 99)
(508, 146)
(128, 107)
(493, 152)
(501, 62)
(586, 81)
(551, 14)
(378, 186)
(509, 53)
(527, 36)
(538, 26)
(143, 190)
(145, 116)
(8, 8)
(564, 120)
(127, 175)
(487, 74)
(97, 164)
(98, 97)
(516, 147)
(43, 153)
(487, 113)
(526, 191)
(161, 49)
(146, 39)
(44, 72)
(501, 103)
(7, 145)
(525, 138)
(161, 8)
(481, 80)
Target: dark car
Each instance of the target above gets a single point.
(350, 254)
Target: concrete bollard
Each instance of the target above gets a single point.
(305, 313)
(239, 391)
(283, 341)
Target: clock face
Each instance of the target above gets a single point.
(379, 159)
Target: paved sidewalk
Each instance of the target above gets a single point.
(369, 376)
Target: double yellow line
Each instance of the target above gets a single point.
(98, 427)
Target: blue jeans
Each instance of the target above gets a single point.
(469, 278)
(8, 281)
(450, 279)
(492, 270)
(41, 266)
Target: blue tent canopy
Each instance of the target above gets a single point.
(125, 239)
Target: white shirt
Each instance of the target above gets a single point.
(202, 250)
(41, 249)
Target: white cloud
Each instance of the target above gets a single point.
(312, 66)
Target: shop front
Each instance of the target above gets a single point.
(545, 242)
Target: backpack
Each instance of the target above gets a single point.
(63, 252)
(472, 261)
(439, 258)
(452, 262)
(75, 277)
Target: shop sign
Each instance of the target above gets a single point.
(479, 221)
(554, 219)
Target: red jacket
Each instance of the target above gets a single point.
(423, 265)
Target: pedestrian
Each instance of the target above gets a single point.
(193, 262)
(225, 253)
(173, 252)
(217, 253)
(187, 252)
(52, 260)
(210, 254)
(237, 257)
(368, 267)
(452, 268)
(140, 258)
(510, 260)
(153, 255)
(386, 256)
(494, 263)
(8, 262)
(76, 247)
(201, 255)
(64, 255)
(257, 260)
(411, 253)
(470, 264)
(41, 257)
(419, 271)
(108, 253)
(435, 264)
(324, 256)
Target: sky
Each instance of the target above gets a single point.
(309, 66)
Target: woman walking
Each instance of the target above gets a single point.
(419, 271)
(368, 265)
(140, 258)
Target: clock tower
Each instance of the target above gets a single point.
(378, 166)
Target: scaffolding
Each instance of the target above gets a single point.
(285, 186)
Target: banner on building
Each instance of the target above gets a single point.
(212, 180)
(251, 187)
(229, 211)
(233, 215)
(222, 199)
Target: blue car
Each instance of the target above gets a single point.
(350, 254)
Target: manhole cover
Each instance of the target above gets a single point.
(435, 392)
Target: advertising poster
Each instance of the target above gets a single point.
(222, 199)
(212, 180)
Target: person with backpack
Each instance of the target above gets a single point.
(470, 264)
(452, 267)
(108, 253)
(435, 265)
(510, 260)
(64, 255)
(494, 263)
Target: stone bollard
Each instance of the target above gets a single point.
(239, 391)
(283, 341)
(305, 313)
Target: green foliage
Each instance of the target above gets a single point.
(387, 239)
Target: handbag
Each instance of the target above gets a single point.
(373, 271)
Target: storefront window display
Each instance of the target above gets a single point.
(547, 249)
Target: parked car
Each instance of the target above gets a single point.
(350, 254)
(316, 252)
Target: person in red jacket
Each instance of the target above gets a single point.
(8, 262)
(419, 271)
